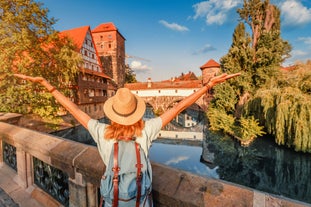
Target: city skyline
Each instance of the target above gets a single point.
(165, 38)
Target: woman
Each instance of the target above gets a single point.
(125, 110)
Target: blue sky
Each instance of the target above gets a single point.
(168, 37)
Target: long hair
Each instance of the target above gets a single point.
(118, 131)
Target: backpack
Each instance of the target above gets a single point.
(128, 176)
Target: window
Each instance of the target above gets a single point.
(91, 92)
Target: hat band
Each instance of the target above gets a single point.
(128, 114)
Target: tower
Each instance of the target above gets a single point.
(110, 45)
(210, 69)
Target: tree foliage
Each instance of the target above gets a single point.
(285, 109)
(31, 46)
(130, 76)
(258, 57)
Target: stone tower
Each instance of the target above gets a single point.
(210, 69)
(110, 45)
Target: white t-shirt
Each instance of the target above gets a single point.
(149, 134)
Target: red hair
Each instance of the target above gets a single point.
(117, 131)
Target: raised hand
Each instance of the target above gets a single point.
(221, 78)
(40, 80)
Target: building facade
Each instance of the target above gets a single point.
(94, 86)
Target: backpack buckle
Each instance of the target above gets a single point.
(115, 179)
(139, 165)
(116, 169)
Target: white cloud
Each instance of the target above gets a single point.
(138, 67)
(176, 160)
(306, 40)
(298, 53)
(173, 26)
(295, 13)
(215, 11)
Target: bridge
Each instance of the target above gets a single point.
(163, 95)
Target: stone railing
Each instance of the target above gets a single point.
(83, 169)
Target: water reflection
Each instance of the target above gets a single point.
(263, 166)
(182, 157)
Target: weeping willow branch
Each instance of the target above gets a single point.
(286, 114)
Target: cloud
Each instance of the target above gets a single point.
(215, 11)
(176, 160)
(207, 48)
(173, 26)
(138, 67)
(298, 53)
(295, 13)
(306, 40)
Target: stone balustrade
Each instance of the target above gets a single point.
(84, 167)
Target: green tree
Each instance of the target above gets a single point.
(31, 46)
(285, 108)
(258, 57)
(130, 76)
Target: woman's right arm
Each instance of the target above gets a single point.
(73, 109)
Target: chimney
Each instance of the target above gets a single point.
(149, 83)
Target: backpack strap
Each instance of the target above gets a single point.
(139, 174)
(115, 170)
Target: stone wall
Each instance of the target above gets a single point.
(84, 167)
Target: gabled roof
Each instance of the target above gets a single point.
(105, 27)
(164, 85)
(210, 64)
(77, 35)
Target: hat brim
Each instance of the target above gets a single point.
(125, 120)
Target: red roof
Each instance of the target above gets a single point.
(164, 85)
(77, 35)
(101, 74)
(210, 64)
(105, 27)
(289, 68)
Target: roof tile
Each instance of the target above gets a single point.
(210, 64)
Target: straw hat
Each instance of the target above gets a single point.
(124, 108)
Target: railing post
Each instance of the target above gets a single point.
(78, 191)
(22, 168)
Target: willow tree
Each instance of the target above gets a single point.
(285, 108)
(257, 56)
(30, 45)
